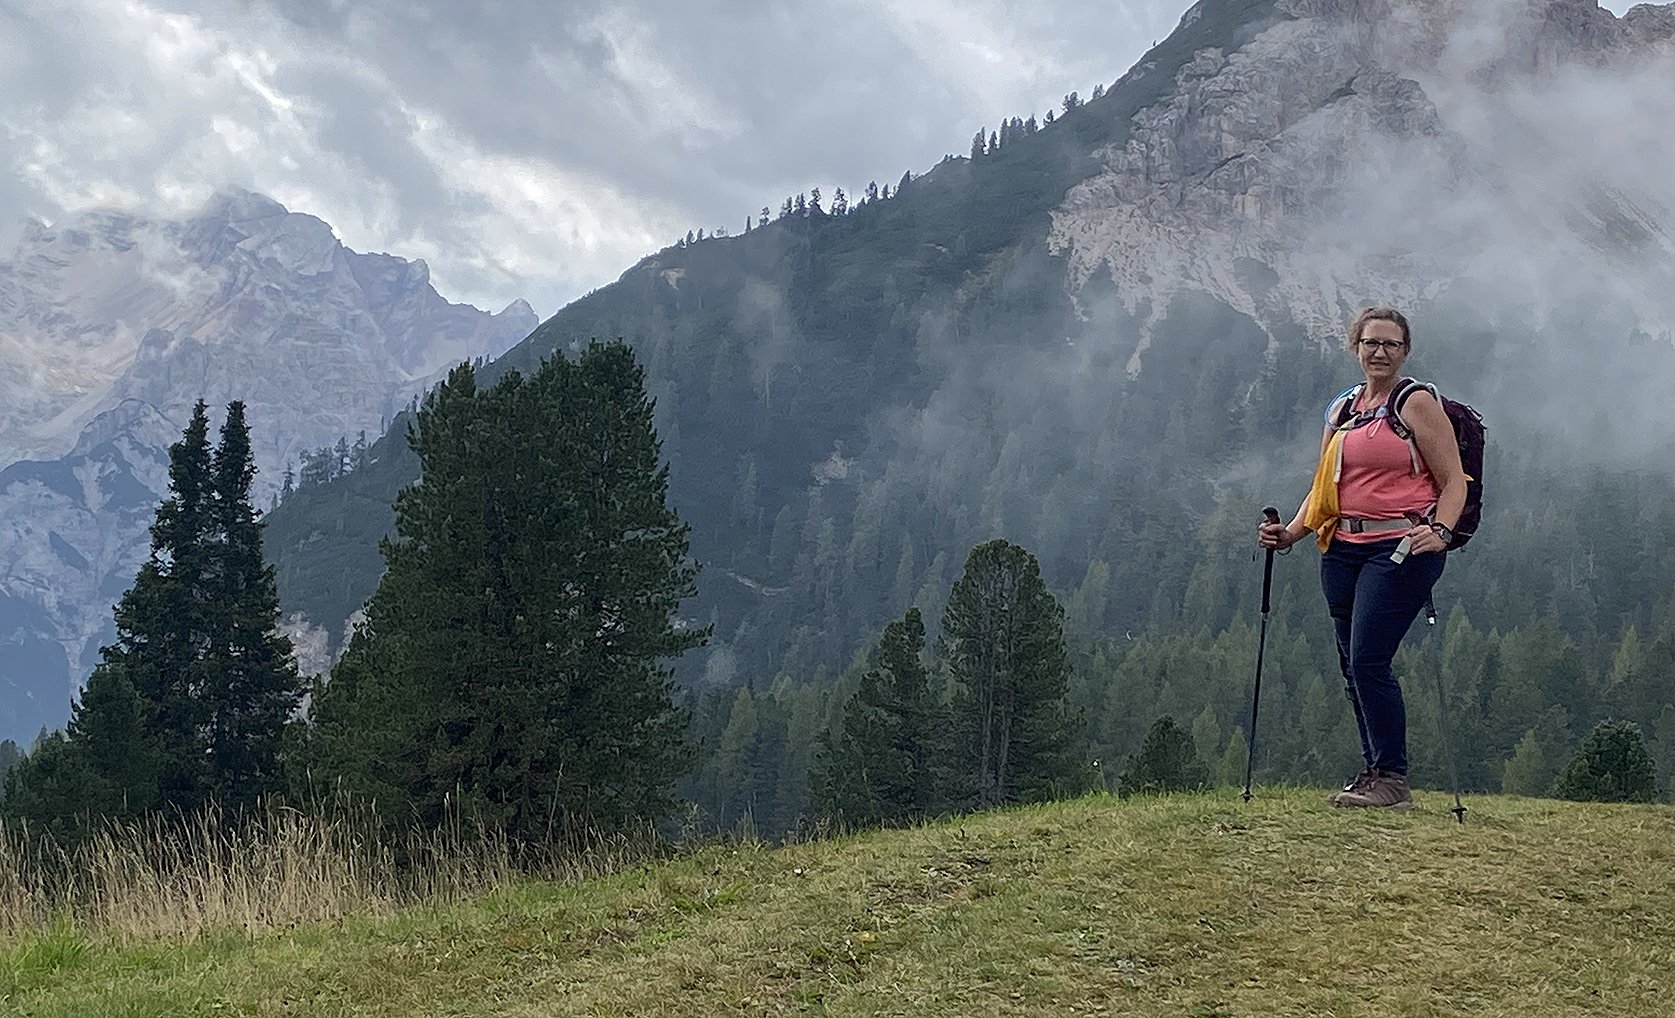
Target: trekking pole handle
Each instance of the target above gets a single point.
(1270, 515)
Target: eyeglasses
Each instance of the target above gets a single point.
(1390, 345)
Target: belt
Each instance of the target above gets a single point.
(1357, 525)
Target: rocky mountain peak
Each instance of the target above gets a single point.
(1465, 136)
(113, 325)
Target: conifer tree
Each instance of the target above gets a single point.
(1231, 769)
(1539, 755)
(1612, 765)
(1003, 644)
(252, 687)
(514, 654)
(49, 790)
(878, 764)
(1167, 761)
(10, 753)
(191, 700)
(739, 763)
(163, 629)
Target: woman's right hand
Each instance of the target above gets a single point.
(1275, 536)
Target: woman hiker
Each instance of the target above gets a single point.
(1382, 508)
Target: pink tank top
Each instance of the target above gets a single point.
(1377, 481)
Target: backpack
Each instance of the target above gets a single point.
(1468, 435)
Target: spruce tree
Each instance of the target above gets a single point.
(48, 790)
(1003, 644)
(163, 629)
(10, 753)
(191, 700)
(878, 764)
(252, 687)
(112, 738)
(1536, 760)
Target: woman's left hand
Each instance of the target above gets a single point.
(1422, 539)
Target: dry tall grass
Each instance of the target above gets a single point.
(184, 876)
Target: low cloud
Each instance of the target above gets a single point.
(521, 149)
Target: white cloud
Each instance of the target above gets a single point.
(536, 220)
(652, 87)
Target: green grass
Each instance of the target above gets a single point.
(1186, 905)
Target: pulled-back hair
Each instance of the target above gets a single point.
(1378, 313)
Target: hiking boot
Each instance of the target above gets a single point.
(1356, 784)
(1383, 791)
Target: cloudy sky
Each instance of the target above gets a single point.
(523, 148)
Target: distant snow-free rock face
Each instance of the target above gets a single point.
(1382, 151)
(112, 326)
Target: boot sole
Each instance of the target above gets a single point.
(1347, 803)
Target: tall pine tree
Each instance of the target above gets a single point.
(878, 764)
(1003, 644)
(515, 654)
(251, 687)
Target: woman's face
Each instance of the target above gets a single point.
(1381, 350)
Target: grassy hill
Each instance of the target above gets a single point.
(1186, 905)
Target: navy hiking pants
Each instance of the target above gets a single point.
(1373, 601)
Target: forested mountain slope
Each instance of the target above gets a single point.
(1109, 338)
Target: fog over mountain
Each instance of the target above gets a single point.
(113, 325)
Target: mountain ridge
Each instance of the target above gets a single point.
(113, 325)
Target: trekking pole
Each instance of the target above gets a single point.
(1273, 516)
(1459, 809)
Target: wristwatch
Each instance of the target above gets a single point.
(1444, 533)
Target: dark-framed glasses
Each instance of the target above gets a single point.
(1389, 345)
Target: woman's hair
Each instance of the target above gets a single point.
(1375, 314)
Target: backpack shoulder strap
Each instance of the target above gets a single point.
(1337, 411)
(1399, 396)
